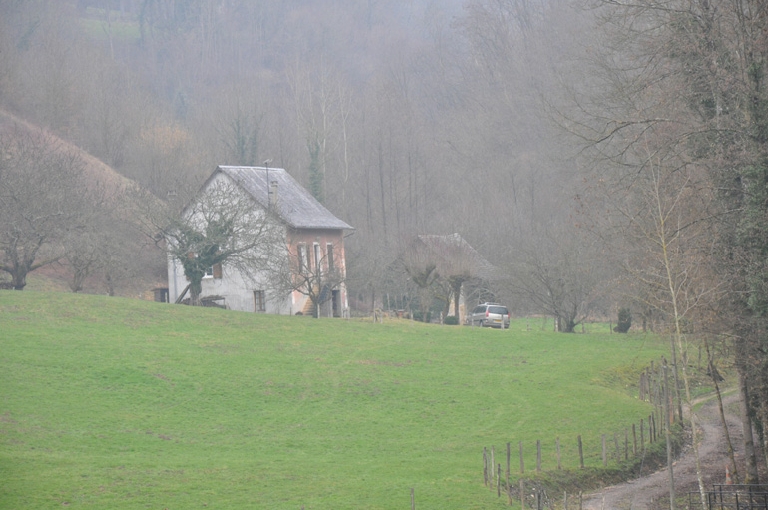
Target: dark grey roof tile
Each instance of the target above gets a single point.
(294, 205)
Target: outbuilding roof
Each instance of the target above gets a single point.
(452, 248)
(294, 204)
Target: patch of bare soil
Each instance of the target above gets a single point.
(652, 492)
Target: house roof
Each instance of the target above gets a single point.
(295, 205)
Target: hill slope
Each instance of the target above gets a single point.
(116, 403)
(117, 195)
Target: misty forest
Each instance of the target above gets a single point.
(603, 155)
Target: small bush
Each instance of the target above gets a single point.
(451, 320)
(625, 320)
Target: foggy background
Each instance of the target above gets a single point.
(403, 118)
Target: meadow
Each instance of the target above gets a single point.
(119, 403)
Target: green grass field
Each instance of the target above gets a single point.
(118, 403)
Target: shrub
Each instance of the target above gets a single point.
(451, 320)
(625, 320)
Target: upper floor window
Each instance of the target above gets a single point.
(303, 260)
(318, 267)
(329, 257)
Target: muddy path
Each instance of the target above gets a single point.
(645, 493)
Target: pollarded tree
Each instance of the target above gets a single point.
(421, 267)
(457, 263)
(441, 267)
(42, 197)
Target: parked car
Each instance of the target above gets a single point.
(492, 315)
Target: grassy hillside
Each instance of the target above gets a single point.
(116, 403)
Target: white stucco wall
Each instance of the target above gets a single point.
(238, 292)
(237, 289)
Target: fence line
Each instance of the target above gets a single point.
(731, 497)
(651, 388)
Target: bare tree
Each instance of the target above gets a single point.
(83, 256)
(109, 245)
(689, 77)
(560, 275)
(666, 206)
(42, 195)
(317, 280)
(376, 280)
(222, 225)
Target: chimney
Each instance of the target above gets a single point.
(272, 194)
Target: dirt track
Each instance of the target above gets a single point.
(645, 493)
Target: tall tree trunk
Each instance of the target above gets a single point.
(668, 437)
(713, 373)
(676, 380)
(195, 289)
(764, 430)
(751, 476)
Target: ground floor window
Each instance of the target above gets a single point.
(259, 302)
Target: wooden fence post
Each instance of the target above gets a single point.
(413, 499)
(538, 456)
(557, 451)
(485, 466)
(649, 381)
(522, 464)
(509, 457)
(650, 429)
(642, 437)
(493, 463)
(498, 480)
(522, 493)
(581, 453)
(634, 440)
(626, 444)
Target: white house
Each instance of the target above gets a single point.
(313, 244)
